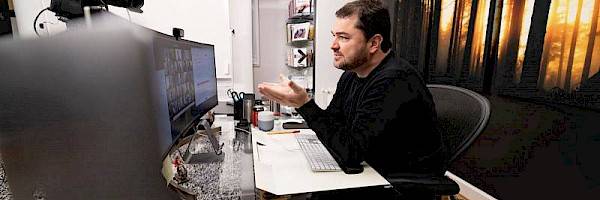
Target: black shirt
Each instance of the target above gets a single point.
(387, 119)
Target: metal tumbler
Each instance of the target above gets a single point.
(275, 107)
(248, 105)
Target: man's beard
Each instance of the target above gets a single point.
(354, 63)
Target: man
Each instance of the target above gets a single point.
(381, 112)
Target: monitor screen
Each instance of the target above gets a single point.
(187, 76)
(205, 81)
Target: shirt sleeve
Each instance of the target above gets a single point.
(349, 141)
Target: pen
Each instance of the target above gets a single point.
(283, 132)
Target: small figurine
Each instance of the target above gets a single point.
(181, 175)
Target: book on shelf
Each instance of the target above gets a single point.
(300, 32)
(301, 8)
(300, 57)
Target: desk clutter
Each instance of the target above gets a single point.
(262, 113)
(242, 104)
(225, 177)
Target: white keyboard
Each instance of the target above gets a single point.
(317, 155)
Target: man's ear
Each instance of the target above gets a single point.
(375, 43)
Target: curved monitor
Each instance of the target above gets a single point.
(91, 107)
(187, 76)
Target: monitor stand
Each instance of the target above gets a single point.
(209, 157)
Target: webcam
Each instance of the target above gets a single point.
(177, 33)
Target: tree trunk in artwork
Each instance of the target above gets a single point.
(469, 42)
(559, 80)
(572, 49)
(512, 45)
(548, 47)
(455, 38)
(535, 45)
(402, 26)
(461, 40)
(423, 51)
(590, 48)
(502, 49)
(410, 38)
(434, 30)
(415, 31)
(452, 37)
(392, 6)
(492, 37)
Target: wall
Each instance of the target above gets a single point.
(202, 21)
(209, 21)
(326, 75)
(273, 15)
(212, 22)
(25, 12)
(241, 21)
(206, 21)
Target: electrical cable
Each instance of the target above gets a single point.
(129, 15)
(105, 5)
(35, 21)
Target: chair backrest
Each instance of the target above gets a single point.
(462, 116)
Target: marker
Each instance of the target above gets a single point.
(283, 132)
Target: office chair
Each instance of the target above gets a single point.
(462, 115)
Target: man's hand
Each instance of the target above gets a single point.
(285, 92)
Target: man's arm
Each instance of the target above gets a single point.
(350, 141)
(285, 92)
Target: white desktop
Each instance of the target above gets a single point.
(281, 168)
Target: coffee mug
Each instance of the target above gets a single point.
(266, 120)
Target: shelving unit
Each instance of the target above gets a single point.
(300, 34)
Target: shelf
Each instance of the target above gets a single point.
(300, 24)
(298, 68)
(300, 19)
(300, 43)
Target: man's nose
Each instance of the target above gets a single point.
(334, 45)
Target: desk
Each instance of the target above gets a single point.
(281, 168)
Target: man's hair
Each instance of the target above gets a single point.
(373, 18)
